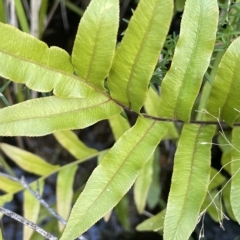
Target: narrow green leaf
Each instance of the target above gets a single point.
(70, 141)
(31, 207)
(154, 223)
(42, 17)
(224, 95)
(73, 7)
(25, 59)
(1, 234)
(27, 161)
(142, 185)
(114, 176)
(227, 202)
(119, 126)
(52, 114)
(95, 42)
(189, 181)
(65, 182)
(139, 51)
(235, 167)
(3, 17)
(182, 82)
(22, 17)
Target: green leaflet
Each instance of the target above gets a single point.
(114, 176)
(189, 181)
(31, 207)
(25, 59)
(42, 116)
(182, 82)
(64, 194)
(142, 185)
(138, 52)
(70, 141)
(95, 41)
(154, 223)
(28, 161)
(225, 91)
(235, 168)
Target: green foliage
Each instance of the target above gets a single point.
(98, 82)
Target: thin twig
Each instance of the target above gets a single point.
(28, 223)
(23, 182)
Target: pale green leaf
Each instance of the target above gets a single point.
(235, 169)
(142, 185)
(25, 59)
(181, 84)
(224, 95)
(119, 126)
(65, 182)
(42, 116)
(154, 223)
(1, 234)
(95, 42)
(27, 161)
(8, 185)
(190, 179)
(31, 208)
(114, 176)
(70, 141)
(139, 51)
